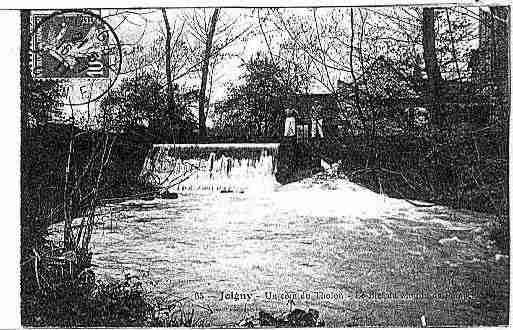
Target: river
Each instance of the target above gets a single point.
(359, 258)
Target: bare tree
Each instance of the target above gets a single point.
(209, 36)
(356, 89)
(169, 85)
(204, 74)
(432, 68)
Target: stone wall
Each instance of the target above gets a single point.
(296, 161)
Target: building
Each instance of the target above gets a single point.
(317, 116)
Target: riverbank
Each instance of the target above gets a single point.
(56, 285)
(463, 167)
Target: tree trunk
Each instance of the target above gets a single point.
(432, 68)
(357, 101)
(171, 115)
(204, 75)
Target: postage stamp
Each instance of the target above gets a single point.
(71, 45)
(78, 48)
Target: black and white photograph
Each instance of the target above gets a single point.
(264, 167)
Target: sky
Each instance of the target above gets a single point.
(151, 27)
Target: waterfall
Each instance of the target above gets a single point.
(215, 167)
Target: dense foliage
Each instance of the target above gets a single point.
(255, 106)
(44, 99)
(140, 103)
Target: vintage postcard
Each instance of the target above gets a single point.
(240, 167)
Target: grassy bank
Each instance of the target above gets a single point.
(83, 301)
(462, 167)
(57, 285)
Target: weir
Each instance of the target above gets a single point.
(222, 167)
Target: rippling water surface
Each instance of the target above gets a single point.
(358, 257)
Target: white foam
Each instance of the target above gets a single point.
(217, 173)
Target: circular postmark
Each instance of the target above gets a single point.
(78, 48)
